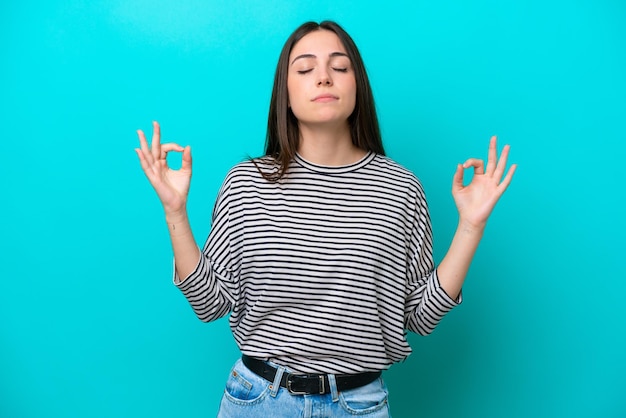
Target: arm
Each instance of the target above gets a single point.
(186, 251)
(474, 203)
(172, 187)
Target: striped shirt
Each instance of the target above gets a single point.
(324, 270)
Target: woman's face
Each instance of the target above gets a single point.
(320, 80)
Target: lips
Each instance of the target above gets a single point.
(325, 98)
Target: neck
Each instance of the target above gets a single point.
(328, 145)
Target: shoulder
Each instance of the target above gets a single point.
(390, 171)
(248, 174)
(251, 169)
(243, 179)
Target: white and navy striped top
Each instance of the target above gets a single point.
(324, 270)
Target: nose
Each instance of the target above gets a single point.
(324, 79)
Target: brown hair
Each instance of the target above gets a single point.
(283, 135)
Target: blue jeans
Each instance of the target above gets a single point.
(249, 395)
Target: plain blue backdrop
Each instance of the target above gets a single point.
(90, 324)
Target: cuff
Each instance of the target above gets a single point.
(192, 277)
(442, 296)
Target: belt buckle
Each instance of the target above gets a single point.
(290, 389)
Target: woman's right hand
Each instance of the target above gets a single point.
(172, 186)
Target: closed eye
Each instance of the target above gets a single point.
(305, 71)
(341, 70)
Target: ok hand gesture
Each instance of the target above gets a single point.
(172, 186)
(476, 200)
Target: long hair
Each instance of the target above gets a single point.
(283, 134)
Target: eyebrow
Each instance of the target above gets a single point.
(334, 54)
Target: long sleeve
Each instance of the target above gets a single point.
(426, 301)
(211, 288)
(323, 271)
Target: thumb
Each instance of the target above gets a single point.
(186, 158)
(457, 180)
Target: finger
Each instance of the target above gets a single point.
(145, 166)
(186, 158)
(165, 148)
(457, 180)
(499, 171)
(478, 164)
(142, 160)
(507, 179)
(144, 147)
(492, 155)
(156, 140)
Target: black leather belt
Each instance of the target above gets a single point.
(308, 384)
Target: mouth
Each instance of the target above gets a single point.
(323, 98)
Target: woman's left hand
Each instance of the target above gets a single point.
(476, 200)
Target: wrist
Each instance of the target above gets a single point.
(471, 228)
(176, 216)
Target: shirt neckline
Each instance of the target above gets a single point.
(335, 169)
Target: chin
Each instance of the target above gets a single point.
(326, 118)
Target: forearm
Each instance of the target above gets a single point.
(186, 252)
(454, 266)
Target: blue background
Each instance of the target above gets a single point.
(90, 324)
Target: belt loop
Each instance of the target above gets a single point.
(276, 383)
(333, 387)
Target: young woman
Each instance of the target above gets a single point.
(321, 250)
